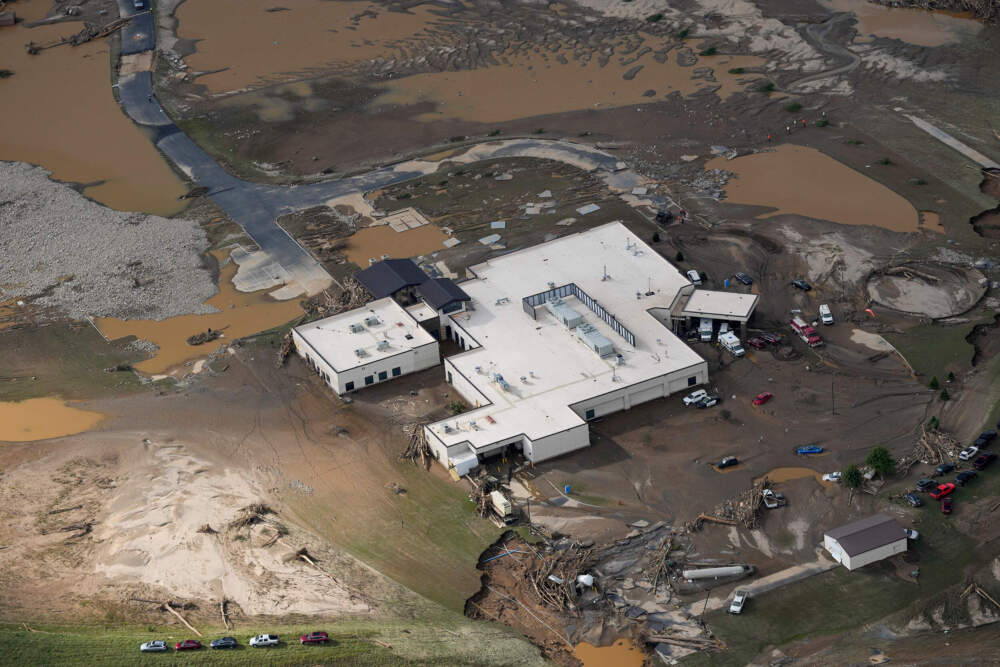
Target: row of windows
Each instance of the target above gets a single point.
(370, 379)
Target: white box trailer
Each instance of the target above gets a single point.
(705, 330)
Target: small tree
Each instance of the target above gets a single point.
(881, 461)
(456, 407)
(656, 237)
(945, 396)
(934, 384)
(679, 257)
(852, 477)
(933, 423)
(951, 376)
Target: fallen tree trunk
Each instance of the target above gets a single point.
(166, 605)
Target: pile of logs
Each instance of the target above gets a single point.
(743, 510)
(89, 32)
(933, 447)
(417, 448)
(204, 337)
(285, 349)
(554, 580)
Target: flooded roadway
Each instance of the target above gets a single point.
(58, 111)
(43, 418)
(240, 314)
(804, 181)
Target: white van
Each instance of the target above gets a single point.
(825, 314)
(705, 330)
(694, 276)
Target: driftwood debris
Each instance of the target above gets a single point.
(225, 616)
(743, 510)
(66, 509)
(285, 349)
(417, 447)
(203, 337)
(89, 32)
(166, 605)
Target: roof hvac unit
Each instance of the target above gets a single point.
(595, 340)
(360, 352)
(382, 345)
(357, 327)
(564, 313)
(372, 321)
(500, 381)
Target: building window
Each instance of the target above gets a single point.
(383, 375)
(369, 379)
(692, 381)
(349, 386)
(589, 414)
(452, 307)
(450, 381)
(397, 371)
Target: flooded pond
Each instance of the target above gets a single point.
(373, 242)
(914, 26)
(620, 654)
(804, 181)
(241, 314)
(255, 42)
(536, 84)
(58, 112)
(43, 418)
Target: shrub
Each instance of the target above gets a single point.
(540, 130)
(737, 70)
(765, 87)
(793, 107)
(854, 142)
(654, 18)
(933, 424)
(496, 133)
(917, 181)
(710, 51)
(456, 407)
(456, 138)
(684, 33)
(945, 396)
(656, 237)
(881, 461)
(852, 477)
(679, 257)
(885, 161)
(951, 376)
(822, 122)
(934, 384)
(703, 276)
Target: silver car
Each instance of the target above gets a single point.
(153, 646)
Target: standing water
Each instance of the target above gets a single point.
(43, 418)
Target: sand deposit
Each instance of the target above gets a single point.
(88, 260)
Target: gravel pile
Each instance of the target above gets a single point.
(86, 259)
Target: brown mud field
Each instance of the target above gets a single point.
(914, 26)
(42, 419)
(73, 126)
(378, 240)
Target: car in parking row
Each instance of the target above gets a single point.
(984, 460)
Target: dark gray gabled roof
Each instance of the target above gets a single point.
(867, 534)
(387, 277)
(439, 292)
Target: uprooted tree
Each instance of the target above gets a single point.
(881, 461)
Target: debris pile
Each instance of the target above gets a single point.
(417, 448)
(743, 510)
(933, 447)
(203, 337)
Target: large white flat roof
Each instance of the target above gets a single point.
(558, 369)
(333, 339)
(720, 305)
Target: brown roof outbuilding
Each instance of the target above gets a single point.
(867, 534)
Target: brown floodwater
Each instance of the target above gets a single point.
(58, 112)
(622, 653)
(241, 314)
(43, 418)
(536, 84)
(804, 181)
(255, 46)
(373, 242)
(914, 26)
(931, 221)
(779, 475)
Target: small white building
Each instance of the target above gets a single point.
(362, 347)
(866, 541)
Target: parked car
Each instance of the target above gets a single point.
(188, 645)
(965, 477)
(264, 640)
(154, 646)
(914, 500)
(942, 491)
(763, 397)
(801, 284)
(832, 477)
(772, 338)
(944, 468)
(694, 276)
(984, 460)
(695, 397)
(740, 596)
(911, 534)
(969, 453)
(138, 4)
(926, 484)
(988, 436)
(707, 402)
(946, 505)
(825, 314)
(743, 278)
(756, 343)
(318, 637)
(224, 642)
(727, 461)
(772, 500)
(809, 449)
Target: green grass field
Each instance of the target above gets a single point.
(452, 641)
(933, 349)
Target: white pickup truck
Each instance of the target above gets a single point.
(264, 640)
(739, 599)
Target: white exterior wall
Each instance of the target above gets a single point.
(408, 361)
(628, 397)
(467, 390)
(862, 559)
(456, 330)
(557, 444)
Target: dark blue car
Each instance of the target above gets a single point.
(224, 642)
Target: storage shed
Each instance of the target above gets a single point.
(866, 541)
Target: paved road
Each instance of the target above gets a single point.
(256, 206)
(948, 140)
